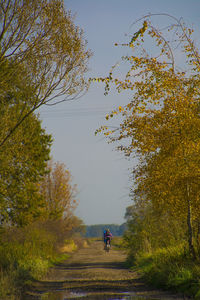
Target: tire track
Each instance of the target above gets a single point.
(92, 273)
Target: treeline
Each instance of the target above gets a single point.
(97, 230)
(160, 127)
(43, 60)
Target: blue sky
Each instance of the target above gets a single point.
(101, 173)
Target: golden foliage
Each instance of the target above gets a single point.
(161, 122)
(58, 192)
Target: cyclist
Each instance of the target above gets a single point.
(104, 236)
(107, 237)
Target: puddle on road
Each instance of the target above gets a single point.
(62, 295)
(65, 295)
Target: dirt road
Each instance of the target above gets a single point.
(93, 274)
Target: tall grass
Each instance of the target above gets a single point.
(26, 254)
(171, 268)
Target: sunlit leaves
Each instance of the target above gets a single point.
(161, 123)
(58, 192)
(43, 37)
(41, 46)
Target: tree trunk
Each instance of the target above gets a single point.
(198, 238)
(189, 223)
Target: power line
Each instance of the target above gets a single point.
(78, 112)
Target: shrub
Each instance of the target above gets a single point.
(8, 287)
(26, 254)
(170, 268)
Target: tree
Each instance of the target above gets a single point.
(58, 191)
(23, 162)
(40, 45)
(161, 123)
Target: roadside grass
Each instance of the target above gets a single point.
(26, 255)
(171, 269)
(69, 246)
(91, 240)
(118, 243)
(8, 288)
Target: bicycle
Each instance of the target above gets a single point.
(107, 245)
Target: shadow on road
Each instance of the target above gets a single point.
(93, 274)
(79, 266)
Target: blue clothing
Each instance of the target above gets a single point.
(104, 236)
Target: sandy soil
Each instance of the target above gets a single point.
(92, 273)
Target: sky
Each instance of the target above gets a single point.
(101, 173)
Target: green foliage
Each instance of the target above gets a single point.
(37, 65)
(56, 63)
(118, 243)
(27, 253)
(22, 164)
(17, 96)
(170, 268)
(24, 156)
(20, 245)
(149, 230)
(8, 288)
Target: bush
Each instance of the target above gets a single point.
(170, 268)
(26, 254)
(8, 287)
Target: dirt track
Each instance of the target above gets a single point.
(93, 274)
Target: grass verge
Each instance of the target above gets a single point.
(26, 255)
(170, 269)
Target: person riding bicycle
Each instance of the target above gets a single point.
(104, 236)
(107, 237)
